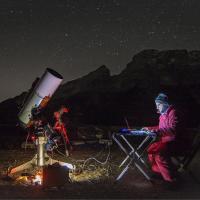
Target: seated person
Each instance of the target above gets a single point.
(166, 130)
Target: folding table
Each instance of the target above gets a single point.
(134, 154)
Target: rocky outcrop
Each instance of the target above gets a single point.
(97, 80)
(99, 98)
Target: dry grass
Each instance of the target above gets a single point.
(91, 179)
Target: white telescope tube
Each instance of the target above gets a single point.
(45, 88)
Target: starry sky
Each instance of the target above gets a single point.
(75, 37)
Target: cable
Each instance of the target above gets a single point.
(62, 154)
(93, 158)
(83, 166)
(27, 140)
(65, 145)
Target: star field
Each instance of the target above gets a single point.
(75, 37)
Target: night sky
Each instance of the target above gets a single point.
(75, 37)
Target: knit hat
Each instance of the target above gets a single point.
(161, 98)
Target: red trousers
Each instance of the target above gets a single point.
(159, 157)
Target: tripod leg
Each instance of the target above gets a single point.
(24, 166)
(52, 161)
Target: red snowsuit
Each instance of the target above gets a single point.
(159, 151)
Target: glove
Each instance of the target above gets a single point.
(145, 129)
(151, 133)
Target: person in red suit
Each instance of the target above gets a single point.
(166, 130)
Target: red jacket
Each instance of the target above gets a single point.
(167, 125)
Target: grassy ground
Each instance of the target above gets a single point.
(95, 180)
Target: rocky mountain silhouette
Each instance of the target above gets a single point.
(102, 99)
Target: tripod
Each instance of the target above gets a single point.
(40, 159)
